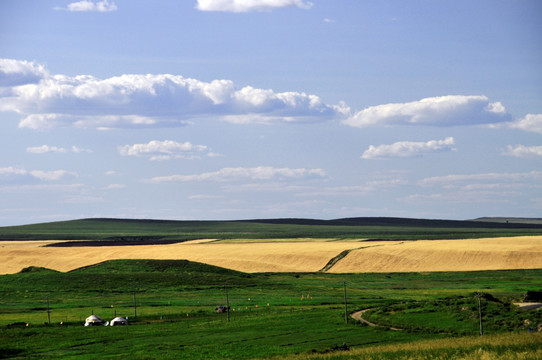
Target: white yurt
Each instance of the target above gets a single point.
(93, 320)
(118, 321)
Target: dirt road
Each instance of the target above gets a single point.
(359, 316)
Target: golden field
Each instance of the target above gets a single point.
(295, 256)
(523, 252)
(277, 256)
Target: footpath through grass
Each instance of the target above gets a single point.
(271, 314)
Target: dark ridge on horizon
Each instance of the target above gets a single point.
(397, 221)
(489, 222)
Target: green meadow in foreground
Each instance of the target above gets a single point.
(298, 315)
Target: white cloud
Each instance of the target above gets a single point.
(451, 110)
(522, 151)
(8, 171)
(163, 150)
(457, 179)
(54, 149)
(20, 72)
(50, 175)
(239, 6)
(38, 174)
(77, 149)
(162, 100)
(45, 149)
(60, 188)
(115, 186)
(531, 122)
(87, 5)
(205, 197)
(408, 149)
(256, 173)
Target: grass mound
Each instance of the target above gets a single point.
(37, 269)
(124, 275)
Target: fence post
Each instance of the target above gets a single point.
(48, 312)
(345, 304)
(227, 302)
(480, 313)
(135, 304)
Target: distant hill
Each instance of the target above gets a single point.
(396, 221)
(511, 220)
(103, 231)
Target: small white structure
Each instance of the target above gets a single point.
(93, 320)
(118, 321)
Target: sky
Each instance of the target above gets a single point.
(231, 109)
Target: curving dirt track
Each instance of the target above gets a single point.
(358, 315)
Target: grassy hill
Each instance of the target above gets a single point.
(127, 231)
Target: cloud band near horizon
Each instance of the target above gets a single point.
(255, 173)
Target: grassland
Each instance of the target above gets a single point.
(291, 310)
(272, 314)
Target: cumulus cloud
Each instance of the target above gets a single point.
(531, 123)
(161, 100)
(20, 72)
(522, 151)
(163, 150)
(87, 5)
(408, 149)
(451, 110)
(256, 173)
(239, 6)
(38, 174)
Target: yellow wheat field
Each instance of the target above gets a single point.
(296, 256)
(247, 257)
(523, 252)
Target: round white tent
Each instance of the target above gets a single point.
(118, 321)
(93, 320)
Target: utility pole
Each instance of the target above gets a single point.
(480, 313)
(345, 304)
(48, 312)
(135, 304)
(227, 302)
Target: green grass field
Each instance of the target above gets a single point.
(271, 314)
(159, 231)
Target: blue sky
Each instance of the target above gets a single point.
(224, 109)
